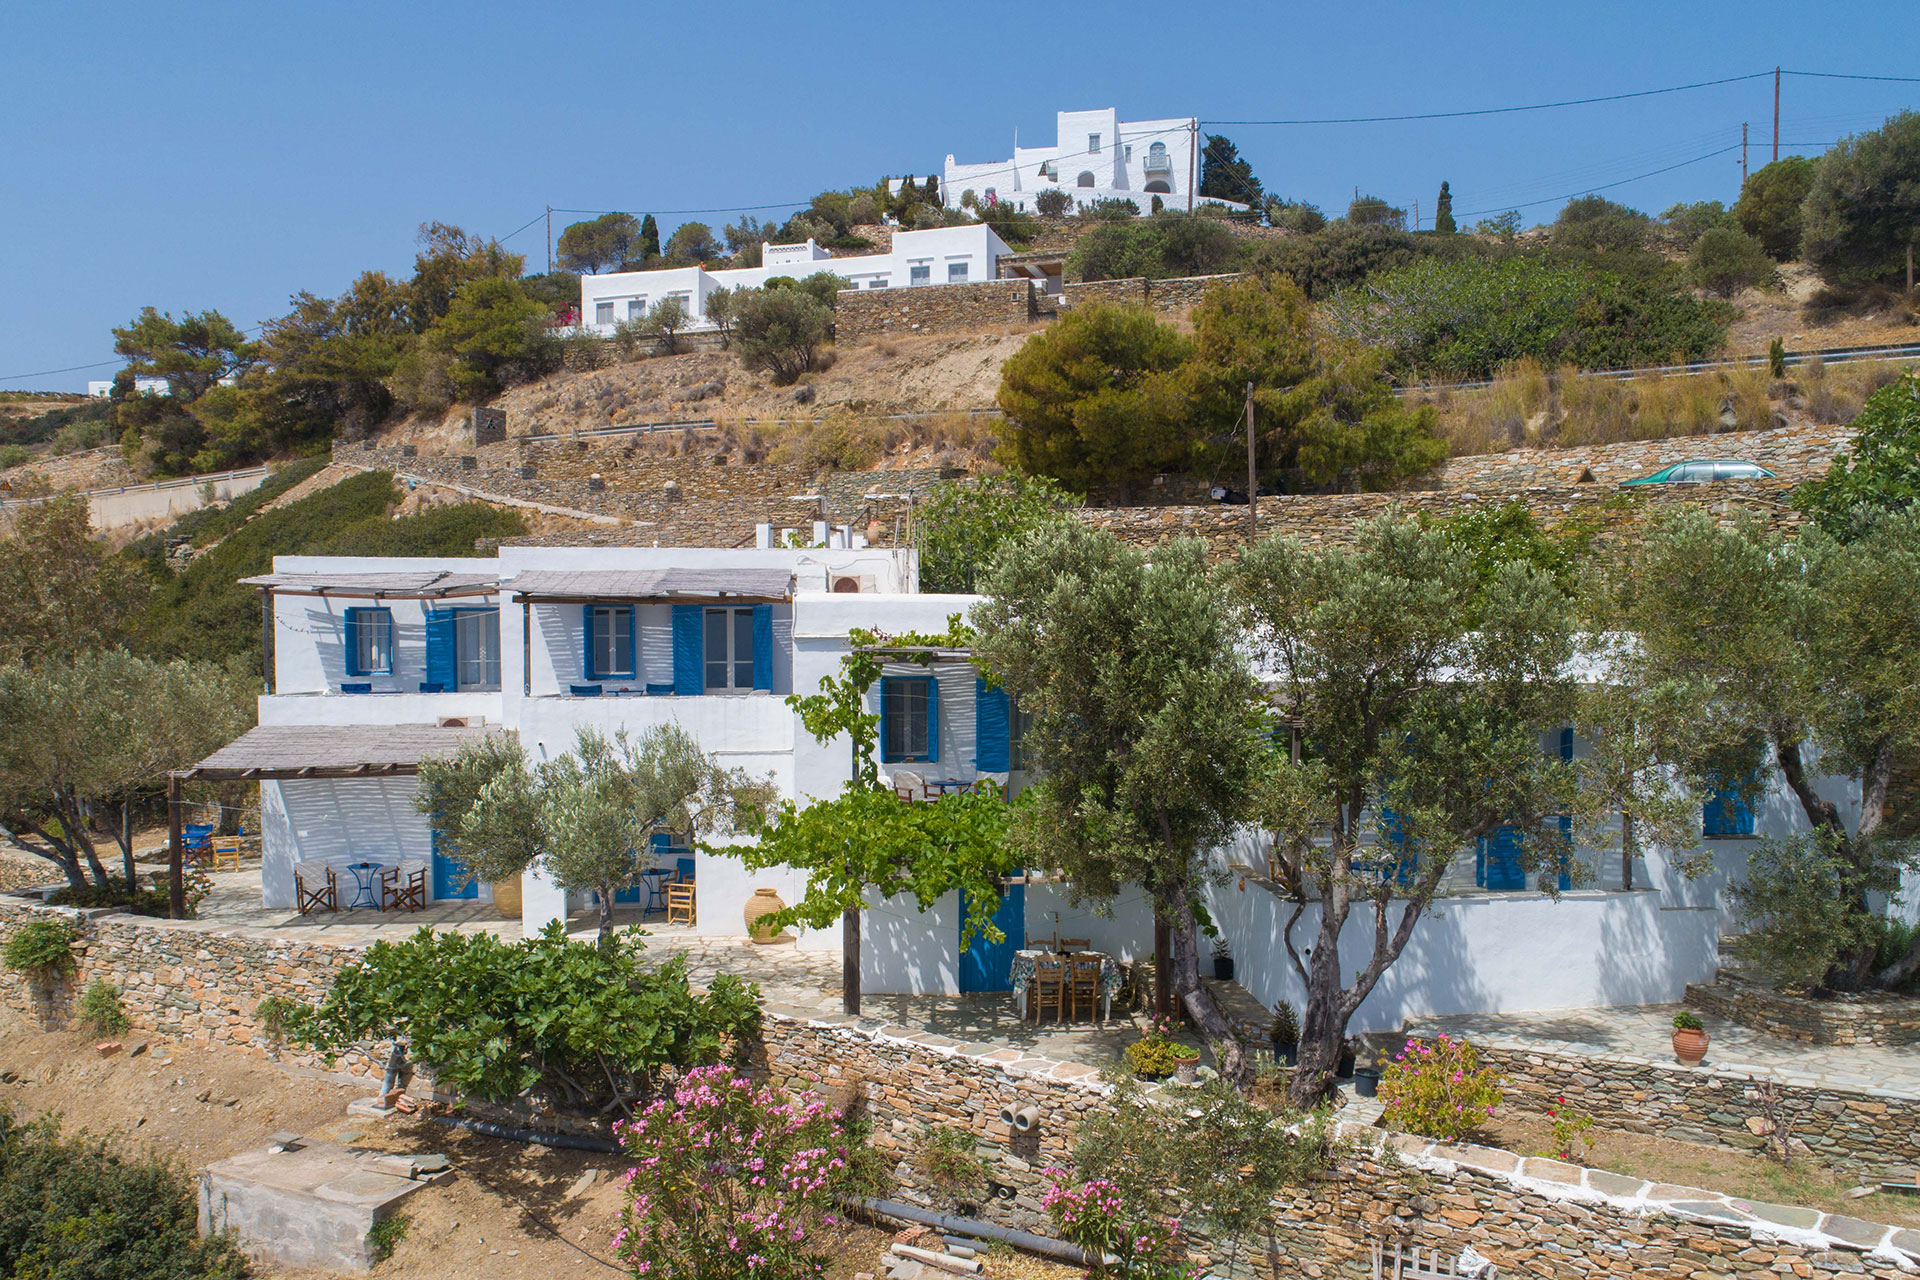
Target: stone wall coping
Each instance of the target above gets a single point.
(1538, 1050)
(1557, 1180)
(1007, 1059)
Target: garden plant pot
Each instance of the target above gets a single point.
(1223, 968)
(1366, 1081)
(763, 903)
(506, 897)
(1347, 1059)
(1689, 1045)
(1184, 1068)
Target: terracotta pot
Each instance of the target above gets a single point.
(1184, 1068)
(506, 897)
(1689, 1046)
(763, 903)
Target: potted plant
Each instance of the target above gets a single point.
(1222, 961)
(1186, 1060)
(1689, 1038)
(1285, 1034)
(1151, 1057)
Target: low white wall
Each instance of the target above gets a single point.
(378, 708)
(907, 951)
(165, 500)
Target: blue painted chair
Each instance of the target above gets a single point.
(659, 690)
(584, 690)
(683, 870)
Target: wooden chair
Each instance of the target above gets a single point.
(1045, 942)
(226, 848)
(1068, 946)
(909, 785)
(404, 887)
(1049, 987)
(680, 903)
(1083, 984)
(315, 886)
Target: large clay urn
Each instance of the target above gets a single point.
(764, 903)
(506, 897)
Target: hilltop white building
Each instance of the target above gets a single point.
(1095, 156)
(940, 255)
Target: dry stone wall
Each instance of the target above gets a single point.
(1793, 453)
(946, 308)
(1176, 294)
(1876, 1017)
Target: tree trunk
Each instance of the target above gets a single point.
(1323, 1028)
(1626, 851)
(606, 915)
(126, 844)
(1199, 1003)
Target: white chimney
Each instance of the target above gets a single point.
(763, 535)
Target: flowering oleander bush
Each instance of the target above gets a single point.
(1095, 1216)
(1439, 1089)
(733, 1179)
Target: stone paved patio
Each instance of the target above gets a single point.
(1644, 1033)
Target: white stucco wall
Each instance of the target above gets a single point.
(1119, 166)
(342, 820)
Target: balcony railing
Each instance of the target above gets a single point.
(1159, 162)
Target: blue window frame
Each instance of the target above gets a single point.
(1728, 815)
(609, 641)
(369, 642)
(909, 719)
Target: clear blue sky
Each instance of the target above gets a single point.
(198, 155)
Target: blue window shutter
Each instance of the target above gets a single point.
(1393, 845)
(351, 631)
(441, 645)
(633, 639)
(586, 663)
(992, 747)
(933, 719)
(763, 647)
(689, 673)
(1504, 871)
(886, 753)
(1566, 743)
(1566, 832)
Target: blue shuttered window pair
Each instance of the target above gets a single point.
(368, 636)
(443, 645)
(690, 648)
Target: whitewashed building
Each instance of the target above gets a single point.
(378, 663)
(939, 255)
(1095, 156)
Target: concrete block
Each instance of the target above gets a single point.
(307, 1208)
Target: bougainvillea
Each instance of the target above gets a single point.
(1439, 1089)
(732, 1179)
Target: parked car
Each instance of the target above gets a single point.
(1701, 470)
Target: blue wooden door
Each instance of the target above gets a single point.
(988, 966)
(446, 878)
(1499, 861)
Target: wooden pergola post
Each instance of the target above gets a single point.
(850, 961)
(176, 882)
(1162, 965)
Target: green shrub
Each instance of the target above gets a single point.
(1052, 202)
(965, 524)
(590, 1027)
(946, 1157)
(1769, 205)
(781, 331)
(14, 455)
(1439, 1090)
(275, 1015)
(40, 949)
(1688, 1020)
(139, 902)
(1881, 469)
(1168, 245)
(1724, 261)
(1796, 907)
(101, 1010)
(387, 1235)
(82, 1207)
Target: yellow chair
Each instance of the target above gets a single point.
(679, 903)
(226, 847)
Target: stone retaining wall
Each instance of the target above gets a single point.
(184, 979)
(1794, 453)
(945, 308)
(1156, 295)
(1873, 1018)
(1871, 1131)
(1333, 518)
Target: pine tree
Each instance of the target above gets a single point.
(649, 237)
(1225, 176)
(1443, 211)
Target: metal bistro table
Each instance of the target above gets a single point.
(654, 880)
(1023, 962)
(363, 874)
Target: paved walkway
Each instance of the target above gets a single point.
(1644, 1034)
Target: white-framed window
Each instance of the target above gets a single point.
(956, 273)
(603, 313)
(729, 649)
(476, 636)
(876, 284)
(1093, 144)
(1127, 153)
(636, 308)
(1086, 178)
(610, 641)
(920, 273)
(372, 639)
(906, 720)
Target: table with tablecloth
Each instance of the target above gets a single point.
(1023, 970)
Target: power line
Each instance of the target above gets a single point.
(522, 227)
(47, 373)
(1496, 111)
(1607, 186)
(1845, 75)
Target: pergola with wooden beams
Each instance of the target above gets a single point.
(421, 584)
(718, 586)
(280, 753)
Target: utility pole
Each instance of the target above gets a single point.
(1743, 155)
(1253, 486)
(549, 239)
(1416, 215)
(1776, 113)
(1193, 156)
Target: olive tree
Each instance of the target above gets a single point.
(582, 816)
(1414, 694)
(1142, 728)
(780, 331)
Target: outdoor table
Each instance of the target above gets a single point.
(655, 879)
(1023, 962)
(363, 874)
(945, 785)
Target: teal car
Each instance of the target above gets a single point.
(1702, 470)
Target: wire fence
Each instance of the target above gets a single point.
(1826, 355)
